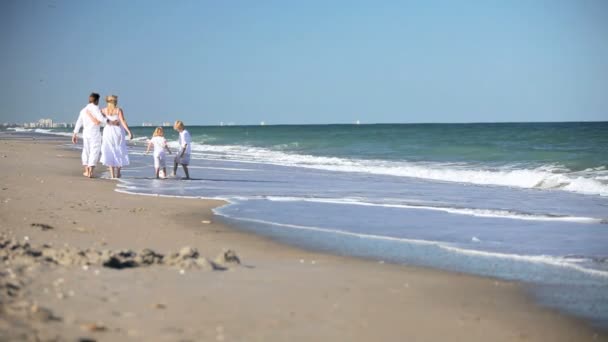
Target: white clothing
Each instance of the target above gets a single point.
(114, 145)
(183, 160)
(185, 142)
(91, 136)
(89, 128)
(91, 149)
(159, 144)
(160, 161)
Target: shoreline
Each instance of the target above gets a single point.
(320, 298)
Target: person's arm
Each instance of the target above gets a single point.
(167, 147)
(98, 117)
(149, 145)
(123, 121)
(185, 144)
(77, 128)
(94, 118)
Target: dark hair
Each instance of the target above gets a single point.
(94, 96)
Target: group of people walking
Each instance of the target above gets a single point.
(110, 148)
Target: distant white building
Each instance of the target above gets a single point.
(45, 123)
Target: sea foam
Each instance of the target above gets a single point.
(543, 177)
(495, 213)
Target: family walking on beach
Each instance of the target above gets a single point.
(111, 147)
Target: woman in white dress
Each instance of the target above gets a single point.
(114, 153)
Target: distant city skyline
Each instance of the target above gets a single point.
(51, 123)
(311, 62)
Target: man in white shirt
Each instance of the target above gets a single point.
(91, 136)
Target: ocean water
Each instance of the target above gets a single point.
(520, 201)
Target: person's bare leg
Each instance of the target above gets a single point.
(91, 171)
(186, 171)
(111, 169)
(118, 172)
(86, 171)
(165, 172)
(156, 171)
(175, 165)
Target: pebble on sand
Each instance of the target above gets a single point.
(94, 327)
(42, 226)
(227, 257)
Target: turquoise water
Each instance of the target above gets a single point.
(526, 202)
(573, 146)
(576, 146)
(568, 156)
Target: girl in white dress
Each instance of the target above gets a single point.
(114, 153)
(159, 143)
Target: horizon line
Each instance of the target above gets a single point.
(388, 123)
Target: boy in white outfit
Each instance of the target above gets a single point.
(91, 136)
(183, 155)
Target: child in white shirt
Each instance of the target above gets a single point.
(160, 145)
(183, 155)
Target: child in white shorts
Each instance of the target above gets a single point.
(160, 146)
(183, 155)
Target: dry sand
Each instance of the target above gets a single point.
(54, 285)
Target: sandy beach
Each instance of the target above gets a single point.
(63, 276)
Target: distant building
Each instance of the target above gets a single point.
(147, 124)
(45, 123)
(167, 124)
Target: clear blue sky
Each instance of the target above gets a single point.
(307, 61)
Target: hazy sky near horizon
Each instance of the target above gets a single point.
(288, 62)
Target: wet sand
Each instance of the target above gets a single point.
(58, 280)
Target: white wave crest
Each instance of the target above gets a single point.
(140, 139)
(545, 177)
(496, 213)
(48, 131)
(39, 131)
